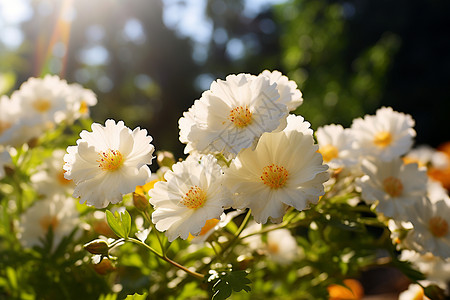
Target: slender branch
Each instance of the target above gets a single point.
(165, 258)
(161, 244)
(136, 241)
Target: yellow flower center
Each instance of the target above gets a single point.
(329, 152)
(41, 105)
(48, 221)
(4, 126)
(194, 198)
(209, 224)
(419, 295)
(274, 176)
(410, 160)
(61, 179)
(438, 226)
(84, 108)
(110, 160)
(273, 248)
(382, 139)
(240, 116)
(393, 186)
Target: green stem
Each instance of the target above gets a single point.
(231, 244)
(165, 258)
(161, 244)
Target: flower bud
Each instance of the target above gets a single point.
(165, 159)
(140, 201)
(103, 267)
(97, 247)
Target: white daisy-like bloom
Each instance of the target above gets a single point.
(414, 292)
(15, 129)
(5, 159)
(431, 227)
(79, 101)
(336, 146)
(44, 99)
(192, 194)
(281, 246)
(108, 162)
(9, 112)
(58, 212)
(399, 230)
(386, 135)
(49, 178)
(426, 156)
(290, 95)
(284, 170)
(436, 269)
(392, 185)
(232, 115)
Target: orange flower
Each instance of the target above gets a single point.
(352, 290)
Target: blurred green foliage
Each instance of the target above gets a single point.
(348, 57)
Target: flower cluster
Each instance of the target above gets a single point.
(259, 188)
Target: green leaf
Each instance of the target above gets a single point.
(119, 223)
(136, 296)
(7, 81)
(227, 282)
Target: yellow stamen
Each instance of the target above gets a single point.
(438, 226)
(41, 105)
(273, 248)
(240, 116)
(48, 221)
(61, 179)
(84, 108)
(110, 160)
(410, 160)
(274, 176)
(194, 198)
(329, 152)
(393, 186)
(382, 139)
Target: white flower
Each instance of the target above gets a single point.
(79, 100)
(414, 292)
(284, 170)
(387, 135)
(43, 99)
(15, 129)
(49, 179)
(108, 162)
(436, 269)
(191, 195)
(281, 246)
(5, 159)
(232, 115)
(58, 212)
(427, 156)
(393, 185)
(431, 227)
(290, 95)
(335, 145)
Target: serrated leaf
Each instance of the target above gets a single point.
(230, 281)
(119, 223)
